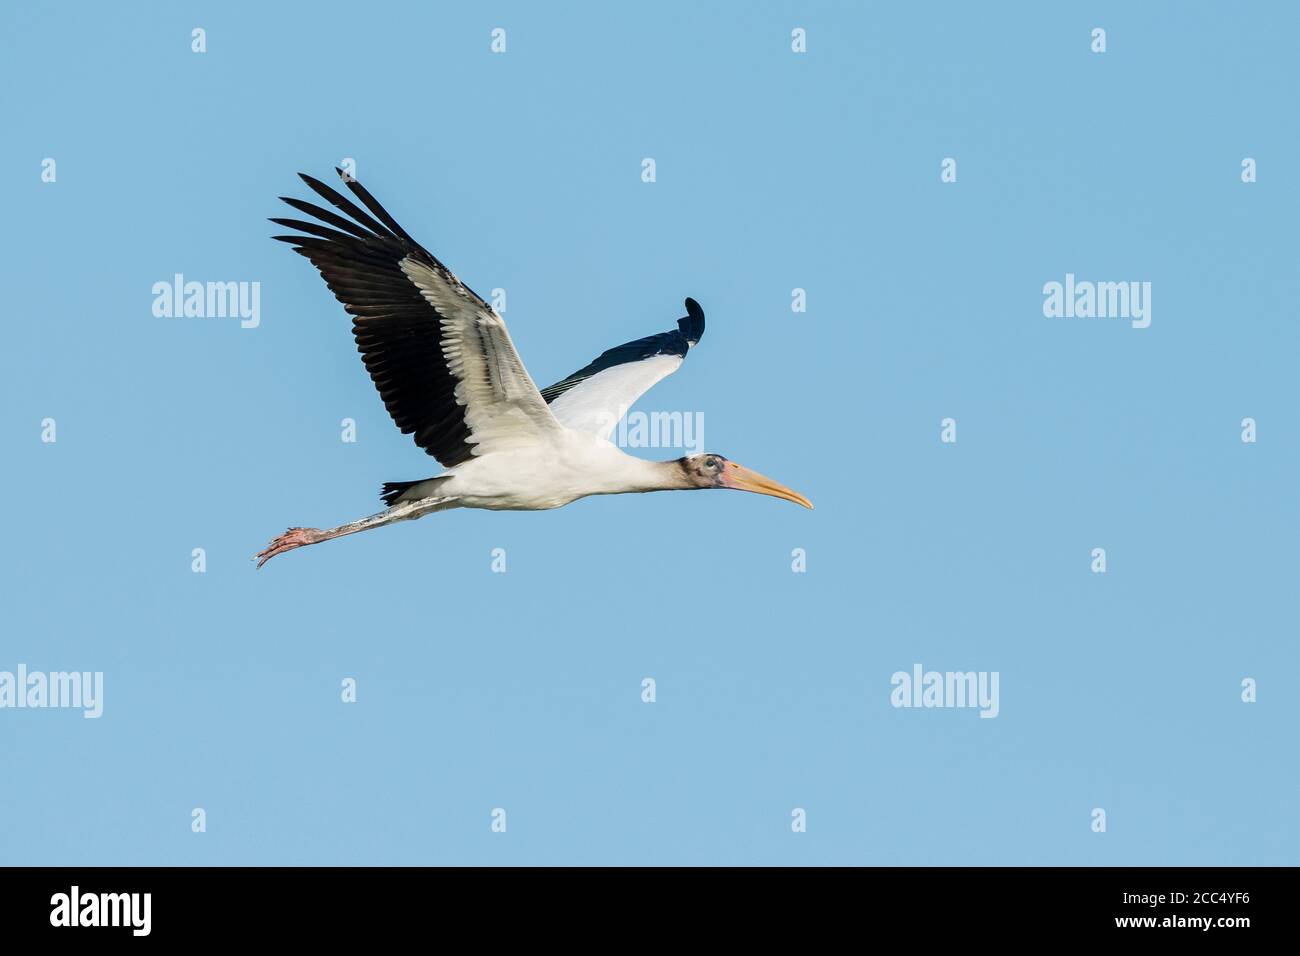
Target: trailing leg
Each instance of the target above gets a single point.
(301, 537)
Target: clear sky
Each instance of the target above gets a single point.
(774, 171)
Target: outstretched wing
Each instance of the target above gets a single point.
(440, 356)
(595, 397)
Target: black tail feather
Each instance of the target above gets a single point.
(394, 490)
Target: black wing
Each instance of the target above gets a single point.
(422, 333)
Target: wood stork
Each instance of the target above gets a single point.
(450, 377)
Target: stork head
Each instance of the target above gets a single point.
(716, 471)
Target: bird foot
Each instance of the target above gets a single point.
(293, 538)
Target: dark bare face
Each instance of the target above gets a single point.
(704, 471)
(715, 471)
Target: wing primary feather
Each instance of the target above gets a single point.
(373, 205)
(349, 207)
(310, 228)
(693, 325)
(324, 215)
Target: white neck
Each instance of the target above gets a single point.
(631, 474)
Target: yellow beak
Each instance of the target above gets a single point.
(742, 479)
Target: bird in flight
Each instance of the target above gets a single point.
(450, 377)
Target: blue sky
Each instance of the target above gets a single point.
(774, 171)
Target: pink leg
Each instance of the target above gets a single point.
(300, 537)
(293, 538)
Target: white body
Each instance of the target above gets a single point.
(568, 466)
